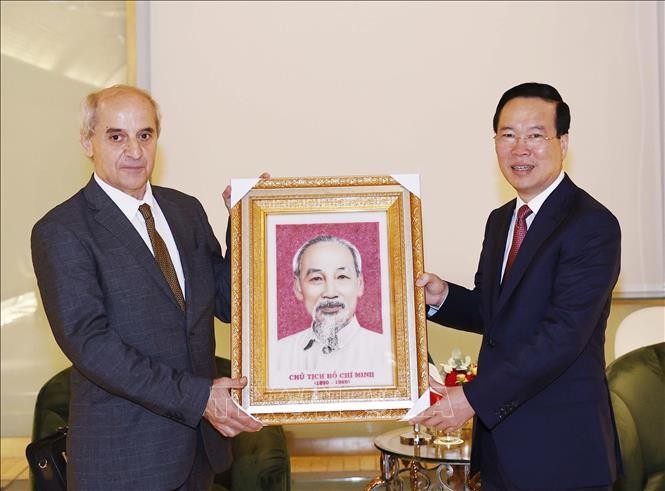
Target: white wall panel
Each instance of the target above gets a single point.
(53, 55)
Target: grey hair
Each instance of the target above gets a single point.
(91, 102)
(357, 262)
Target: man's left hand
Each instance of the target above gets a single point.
(223, 413)
(440, 416)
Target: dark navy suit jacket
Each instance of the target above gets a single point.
(142, 367)
(541, 395)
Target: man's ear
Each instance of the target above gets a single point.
(563, 142)
(86, 143)
(361, 285)
(297, 290)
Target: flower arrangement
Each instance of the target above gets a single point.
(458, 370)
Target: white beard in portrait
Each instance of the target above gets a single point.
(329, 316)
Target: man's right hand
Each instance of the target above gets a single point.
(223, 413)
(436, 290)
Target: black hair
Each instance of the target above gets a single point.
(540, 91)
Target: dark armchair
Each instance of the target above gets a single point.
(637, 388)
(261, 459)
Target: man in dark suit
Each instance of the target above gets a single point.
(130, 292)
(543, 418)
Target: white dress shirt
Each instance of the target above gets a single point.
(363, 358)
(130, 208)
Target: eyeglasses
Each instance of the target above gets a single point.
(532, 140)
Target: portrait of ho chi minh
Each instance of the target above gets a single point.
(328, 281)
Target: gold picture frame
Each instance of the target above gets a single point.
(373, 372)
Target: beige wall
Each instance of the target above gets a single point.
(338, 88)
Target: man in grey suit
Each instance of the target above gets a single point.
(130, 292)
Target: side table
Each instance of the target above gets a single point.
(429, 467)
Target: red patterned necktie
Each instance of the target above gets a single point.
(162, 255)
(518, 236)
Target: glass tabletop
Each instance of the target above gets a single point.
(454, 454)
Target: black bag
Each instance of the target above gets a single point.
(47, 458)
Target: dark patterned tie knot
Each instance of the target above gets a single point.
(162, 256)
(146, 211)
(523, 212)
(518, 236)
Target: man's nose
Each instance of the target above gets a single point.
(329, 290)
(133, 148)
(520, 147)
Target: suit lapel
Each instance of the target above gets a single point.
(554, 211)
(109, 216)
(498, 234)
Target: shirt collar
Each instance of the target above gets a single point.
(537, 201)
(129, 205)
(344, 335)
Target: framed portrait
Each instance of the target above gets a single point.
(327, 324)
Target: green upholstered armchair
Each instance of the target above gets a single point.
(261, 459)
(637, 388)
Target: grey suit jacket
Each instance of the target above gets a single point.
(142, 367)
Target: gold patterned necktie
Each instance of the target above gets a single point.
(162, 255)
(518, 236)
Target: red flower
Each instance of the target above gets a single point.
(451, 379)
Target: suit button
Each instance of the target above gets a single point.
(491, 343)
